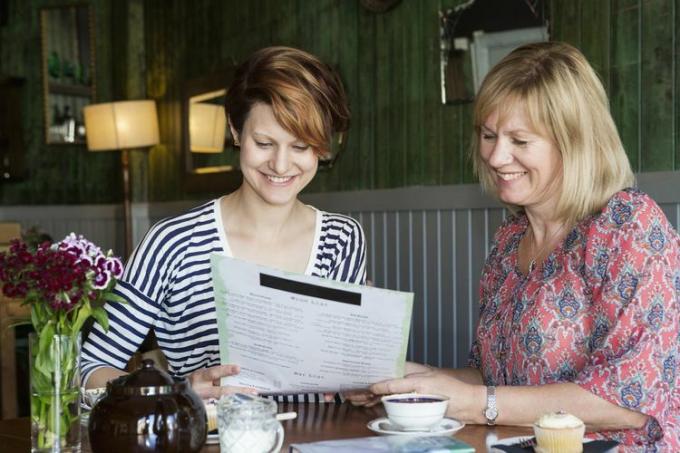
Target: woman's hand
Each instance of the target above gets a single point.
(361, 398)
(367, 398)
(466, 401)
(206, 381)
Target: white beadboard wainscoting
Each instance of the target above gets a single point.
(429, 240)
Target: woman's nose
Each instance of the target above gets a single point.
(280, 161)
(501, 154)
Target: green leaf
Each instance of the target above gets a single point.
(43, 362)
(113, 297)
(82, 314)
(102, 318)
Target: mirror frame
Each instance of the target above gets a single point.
(58, 94)
(196, 181)
(468, 34)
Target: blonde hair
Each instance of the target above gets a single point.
(563, 99)
(306, 95)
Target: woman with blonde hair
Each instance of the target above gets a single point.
(283, 107)
(580, 293)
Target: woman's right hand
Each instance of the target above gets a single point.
(206, 382)
(367, 398)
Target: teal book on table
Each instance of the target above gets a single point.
(380, 444)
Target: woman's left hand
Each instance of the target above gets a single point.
(466, 401)
(206, 382)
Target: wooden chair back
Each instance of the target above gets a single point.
(11, 313)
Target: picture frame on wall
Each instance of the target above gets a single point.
(68, 69)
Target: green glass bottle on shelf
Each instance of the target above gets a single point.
(54, 65)
(68, 70)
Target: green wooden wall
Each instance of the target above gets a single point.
(400, 136)
(57, 174)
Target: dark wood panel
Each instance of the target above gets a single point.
(595, 38)
(625, 76)
(657, 85)
(57, 173)
(400, 134)
(566, 24)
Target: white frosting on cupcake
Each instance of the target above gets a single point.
(559, 420)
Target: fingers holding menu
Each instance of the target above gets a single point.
(402, 385)
(206, 381)
(361, 398)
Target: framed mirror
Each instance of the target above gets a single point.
(473, 40)
(68, 71)
(211, 160)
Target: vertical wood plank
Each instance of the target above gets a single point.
(432, 288)
(657, 90)
(625, 77)
(418, 253)
(595, 36)
(445, 289)
(566, 23)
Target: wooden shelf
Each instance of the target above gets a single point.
(71, 90)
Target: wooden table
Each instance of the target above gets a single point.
(314, 422)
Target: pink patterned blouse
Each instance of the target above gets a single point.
(603, 311)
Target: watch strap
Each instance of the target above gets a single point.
(491, 411)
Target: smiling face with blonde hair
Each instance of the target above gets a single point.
(523, 163)
(562, 100)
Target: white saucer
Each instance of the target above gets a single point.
(447, 426)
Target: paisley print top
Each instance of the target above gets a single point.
(602, 311)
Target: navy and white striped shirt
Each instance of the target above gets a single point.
(167, 285)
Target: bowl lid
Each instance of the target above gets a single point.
(146, 380)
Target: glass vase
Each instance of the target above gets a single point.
(55, 386)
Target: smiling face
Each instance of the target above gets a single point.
(525, 164)
(276, 165)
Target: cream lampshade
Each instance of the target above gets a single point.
(207, 127)
(121, 126)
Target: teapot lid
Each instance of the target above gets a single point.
(146, 380)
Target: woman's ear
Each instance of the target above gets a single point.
(234, 134)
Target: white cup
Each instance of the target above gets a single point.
(415, 411)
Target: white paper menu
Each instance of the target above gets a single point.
(292, 333)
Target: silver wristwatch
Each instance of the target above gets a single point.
(491, 411)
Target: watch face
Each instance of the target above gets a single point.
(491, 413)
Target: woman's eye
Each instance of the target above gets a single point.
(517, 142)
(263, 144)
(488, 137)
(301, 147)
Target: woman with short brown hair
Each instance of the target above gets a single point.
(283, 108)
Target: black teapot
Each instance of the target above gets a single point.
(148, 411)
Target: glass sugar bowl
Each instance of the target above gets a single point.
(248, 424)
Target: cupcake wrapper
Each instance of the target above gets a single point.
(566, 440)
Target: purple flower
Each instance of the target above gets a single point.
(61, 276)
(101, 279)
(115, 266)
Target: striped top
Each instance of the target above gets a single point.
(167, 285)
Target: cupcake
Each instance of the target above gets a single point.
(559, 432)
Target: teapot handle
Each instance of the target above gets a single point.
(279, 439)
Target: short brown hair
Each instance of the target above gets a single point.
(564, 99)
(306, 95)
